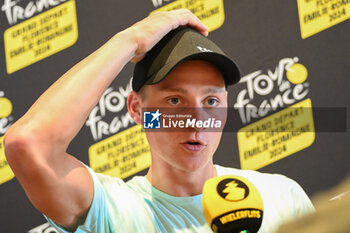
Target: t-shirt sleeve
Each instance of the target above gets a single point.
(293, 201)
(302, 202)
(97, 217)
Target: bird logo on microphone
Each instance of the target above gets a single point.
(232, 189)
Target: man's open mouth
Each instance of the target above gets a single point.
(193, 143)
(193, 146)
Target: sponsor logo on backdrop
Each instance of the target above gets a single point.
(158, 3)
(318, 15)
(14, 12)
(6, 121)
(5, 113)
(122, 154)
(112, 104)
(44, 228)
(284, 132)
(210, 12)
(125, 151)
(259, 84)
(39, 36)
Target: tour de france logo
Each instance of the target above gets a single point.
(232, 189)
(5, 106)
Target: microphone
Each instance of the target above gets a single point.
(232, 204)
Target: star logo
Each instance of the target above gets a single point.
(151, 120)
(156, 115)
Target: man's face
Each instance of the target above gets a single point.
(192, 84)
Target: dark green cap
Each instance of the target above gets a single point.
(177, 46)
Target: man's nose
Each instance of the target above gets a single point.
(195, 103)
(198, 116)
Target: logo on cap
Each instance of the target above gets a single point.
(204, 49)
(151, 120)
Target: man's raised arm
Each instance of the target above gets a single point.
(56, 183)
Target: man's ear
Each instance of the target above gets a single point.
(134, 107)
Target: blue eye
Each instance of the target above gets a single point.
(212, 101)
(174, 100)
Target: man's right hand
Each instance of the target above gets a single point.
(152, 29)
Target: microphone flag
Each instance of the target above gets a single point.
(232, 204)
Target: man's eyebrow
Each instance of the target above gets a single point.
(214, 90)
(174, 89)
(205, 91)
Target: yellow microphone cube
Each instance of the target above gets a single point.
(232, 204)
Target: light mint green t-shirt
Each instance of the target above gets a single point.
(136, 206)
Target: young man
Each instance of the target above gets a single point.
(168, 199)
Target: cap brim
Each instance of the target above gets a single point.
(228, 67)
